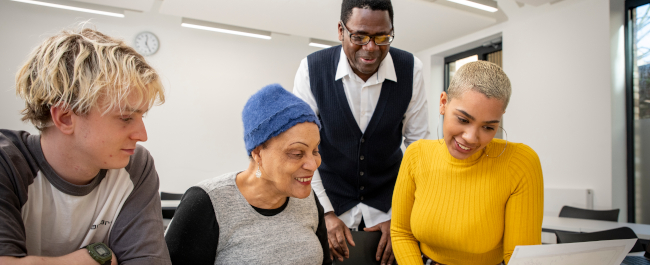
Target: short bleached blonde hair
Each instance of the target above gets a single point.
(484, 77)
(77, 69)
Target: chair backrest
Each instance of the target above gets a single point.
(168, 212)
(607, 215)
(365, 249)
(166, 196)
(618, 233)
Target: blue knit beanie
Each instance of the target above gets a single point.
(271, 111)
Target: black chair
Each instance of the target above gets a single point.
(364, 251)
(168, 212)
(166, 196)
(618, 233)
(572, 212)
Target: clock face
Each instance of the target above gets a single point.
(146, 43)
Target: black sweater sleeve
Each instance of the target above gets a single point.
(193, 234)
(321, 233)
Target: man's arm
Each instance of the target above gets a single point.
(416, 118)
(79, 257)
(337, 232)
(302, 86)
(137, 235)
(15, 177)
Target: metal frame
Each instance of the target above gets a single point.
(629, 105)
(482, 53)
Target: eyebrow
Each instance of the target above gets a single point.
(472, 117)
(300, 143)
(130, 110)
(361, 32)
(303, 143)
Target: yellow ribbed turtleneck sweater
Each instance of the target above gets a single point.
(472, 211)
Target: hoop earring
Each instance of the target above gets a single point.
(504, 148)
(438, 129)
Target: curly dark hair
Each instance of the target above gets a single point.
(382, 5)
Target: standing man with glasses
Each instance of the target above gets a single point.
(369, 98)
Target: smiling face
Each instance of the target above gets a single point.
(107, 140)
(471, 121)
(365, 59)
(289, 160)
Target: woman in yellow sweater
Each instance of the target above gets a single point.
(468, 198)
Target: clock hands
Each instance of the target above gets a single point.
(146, 43)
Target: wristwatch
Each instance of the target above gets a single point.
(100, 253)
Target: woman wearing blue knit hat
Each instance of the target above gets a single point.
(266, 214)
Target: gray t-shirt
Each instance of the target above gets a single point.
(41, 214)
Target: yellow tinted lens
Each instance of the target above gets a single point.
(360, 39)
(383, 39)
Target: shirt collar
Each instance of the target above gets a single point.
(386, 68)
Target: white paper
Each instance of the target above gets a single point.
(607, 252)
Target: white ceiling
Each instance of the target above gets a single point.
(419, 24)
(138, 5)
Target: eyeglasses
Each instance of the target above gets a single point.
(359, 39)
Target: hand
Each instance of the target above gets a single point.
(114, 259)
(385, 247)
(337, 233)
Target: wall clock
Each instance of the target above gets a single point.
(146, 43)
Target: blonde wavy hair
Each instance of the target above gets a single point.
(484, 77)
(79, 68)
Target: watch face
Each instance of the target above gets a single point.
(146, 43)
(102, 251)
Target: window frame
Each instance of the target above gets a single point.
(629, 106)
(482, 53)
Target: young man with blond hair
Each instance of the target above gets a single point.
(82, 192)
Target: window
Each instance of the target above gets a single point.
(638, 110)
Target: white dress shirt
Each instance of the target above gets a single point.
(362, 98)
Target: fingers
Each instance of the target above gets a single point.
(392, 259)
(337, 238)
(383, 241)
(388, 256)
(348, 235)
(338, 234)
(334, 254)
(372, 229)
(341, 238)
(334, 244)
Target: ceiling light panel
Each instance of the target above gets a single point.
(77, 6)
(487, 5)
(223, 28)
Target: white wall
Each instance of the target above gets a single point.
(561, 61)
(197, 133)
